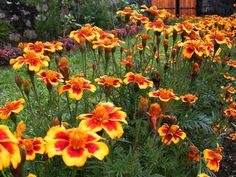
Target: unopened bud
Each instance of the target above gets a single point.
(26, 87)
(18, 81)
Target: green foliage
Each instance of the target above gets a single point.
(53, 17)
(95, 12)
(5, 30)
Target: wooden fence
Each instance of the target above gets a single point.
(184, 7)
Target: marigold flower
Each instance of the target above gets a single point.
(153, 10)
(219, 37)
(128, 62)
(75, 87)
(85, 33)
(232, 136)
(107, 44)
(158, 25)
(31, 175)
(203, 175)
(171, 134)
(213, 158)
(187, 27)
(36, 47)
(22, 45)
(193, 154)
(143, 105)
(229, 89)
(34, 61)
(109, 81)
(142, 82)
(144, 38)
(105, 116)
(20, 128)
(138, 18)
(163, 94)
(75, 145)
(193, 47)
(32, 146)
(11, 107)
(50, 77)
(230, 112)
(232, 63)
(140, 46)
(64, 68)
(49, 47)
(189, 98)
(154, 112)
(58, 46)
(9, 150)
(229, 77)
(126, 11)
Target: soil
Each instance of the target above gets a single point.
(228, 163)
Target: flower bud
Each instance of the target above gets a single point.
(18, 81)
(26, 87)
(143, 105)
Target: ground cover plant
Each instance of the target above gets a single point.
(153, 104)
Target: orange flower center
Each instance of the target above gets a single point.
(28, 144)
(109, 81)
(77, 139)
(100, 114)
(138, 78)
(78, 83)
(10, 106)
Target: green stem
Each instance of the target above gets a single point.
(68, 105)
(74, 172)
(3, 174)
(34, 87)
(200, 167)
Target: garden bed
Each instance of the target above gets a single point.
(159, 103)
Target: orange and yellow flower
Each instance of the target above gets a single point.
(128, 62)
(219, 37)
(158, 25)
(213, 159)
(20, 128)
(137, 17)
(230, 111)
(85, 33)
(142, 82)
(107, 44)
(193, 154)
(127, 11)
(203, 175)
(11, 107)
(105, 116)
(109, 81)
(50, 77)
(75, 145)
(163, 94)
(232, 136)
(49, 47)
(75, 87)
(32, 146)
(9, 150)
(229, 77)
(58, 46)
(143, 105)
(36, 47)
(34, 61)
(171, 134)
(31, 175)
(189, 98)
(232, 63)
(154, 112)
